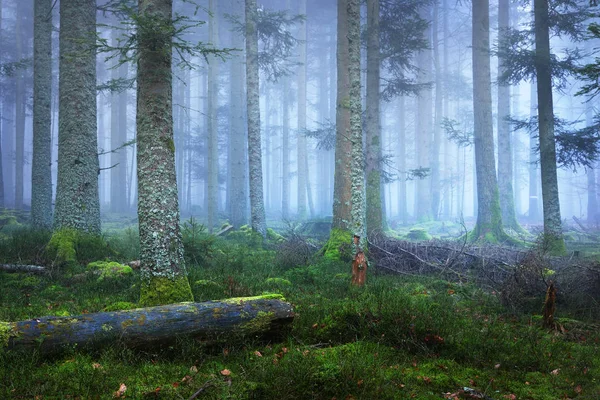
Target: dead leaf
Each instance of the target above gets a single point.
(121, 391)
(555, 371)
(578, 389)
(257, 353)
(96, 366)
(225, 372)
(194, 369)
(497, 366)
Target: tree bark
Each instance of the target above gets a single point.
(41, 173)
(143, 327)
(489, 219)
(257, 202)
(436, 144)
(77, 199)
(20, 103)
(2, 100)
(550, 200)
(163, 272)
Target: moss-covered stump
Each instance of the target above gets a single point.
(142, 327)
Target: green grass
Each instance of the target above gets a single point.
(396, 338)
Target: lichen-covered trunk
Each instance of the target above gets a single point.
(237, 157)
(302, 150)
(118, 136)
(77, 200)
(213, 135)
(550, 200)
(257, 202)
(423, 125)
(489, 221)
(374, 210)
(41, 173)
(505, 151)
(163, 273)
(242, 317)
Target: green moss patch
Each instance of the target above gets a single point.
(109, 269)
(160, 290)
(339, 245)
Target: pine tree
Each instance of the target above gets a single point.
(163, 273)
(77, 201)
(41, 173)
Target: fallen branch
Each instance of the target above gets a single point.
(249, 316)
(34, 269)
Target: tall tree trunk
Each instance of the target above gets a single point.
(2, 100)
(424, 125)
(257, 205)
(534, 213)
(448, 146)
(19, 112)
(373, 123)
(213, 132)
(163, 273)
(301, 143)
(436, 144)
(237, 143)
(505, 151)
(550, 200)
(592, 192)
(77, 200)
(489, 219)
(401, 126)
(41, 173)
(285, 149)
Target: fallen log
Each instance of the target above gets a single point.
(141, 327)
(34, 269)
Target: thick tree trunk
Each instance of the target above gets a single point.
(550, 200)
(77, 200)
(41, 173)
(2, 100)
(505, 151)
(163, 272)
(374, 210)
(302, 151)
(238, 193)
(489, 219)
(142, 327)
(257, 202)
(213, 132)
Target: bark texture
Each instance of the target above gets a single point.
(489, 220)
(77, 200)
(550, 200)
(163, 272)
(257, 202)
(41, 173)
(249, 317)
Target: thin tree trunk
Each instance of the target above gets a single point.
(401, 126)
(257, 205)
(301, 143)
(550, 199)
(19, 113)
(213, 135)
(77, 200)
(285, 150)
(534, 214)
(436, 184)
(2, 100)
(592, 192)
(41, 173)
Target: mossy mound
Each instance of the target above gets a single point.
(274, 236)
(278, 282)
(68, 247)
(109, 269)
(339, 245)
(207, 284)
(418, 234)
(159, 290)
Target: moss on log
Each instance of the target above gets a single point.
(248, 316)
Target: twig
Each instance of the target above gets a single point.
(206, 385)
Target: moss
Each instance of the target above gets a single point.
(120, 305)
(160, 290)
(62, 246)
(418, 234)
(109, 269)
(204, 283)
(274, 236)
(278, 282)
(5, 333)
(339, 245)
(241, 300)
(260, 323)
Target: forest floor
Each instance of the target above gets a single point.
(398, 337)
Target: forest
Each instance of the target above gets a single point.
(299, 199)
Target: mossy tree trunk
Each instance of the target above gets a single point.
(550, 200)
(163, 272)
(257, 202)
(489, 220)
(374, 210)
(505, 148)
(41, 173)
(77, 200)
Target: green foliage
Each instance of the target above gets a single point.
(125, 243)
(68, 247)
(109, 269)
(120, 305)
(197, 242)
(24, 245)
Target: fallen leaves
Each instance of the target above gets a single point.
(119, 393)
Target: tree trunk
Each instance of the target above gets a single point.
(302, 151)
(163, 272)
(505, 151)
(77, 200)
(401, 126)
(436, 184)
(213, 128)
(19, 112)
(592, 192)
(489, 219)
(374, 210)
(2, 100)
(238, 193)
(550, 200)
(143, 327)
(285, 150)
(41, 173)
(257, 204)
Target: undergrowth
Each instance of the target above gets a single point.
(398, 337)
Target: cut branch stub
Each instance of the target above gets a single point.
(359, 265)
